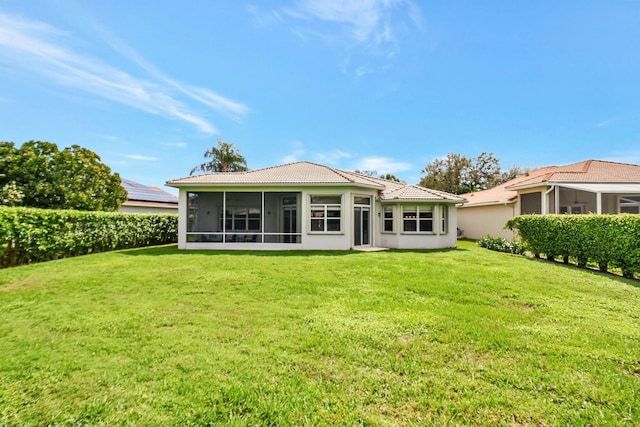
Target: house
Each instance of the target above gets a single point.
(145, 199)
(306, 205)
(590, 186)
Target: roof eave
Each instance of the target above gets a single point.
(272, 184)
(490, 203)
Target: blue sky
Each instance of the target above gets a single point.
(385, 85)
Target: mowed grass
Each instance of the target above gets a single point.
(159, 336)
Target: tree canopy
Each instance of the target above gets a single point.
(224, 158)
(460, 174)
(40, 175)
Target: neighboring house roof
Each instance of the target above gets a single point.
(144, 193)
(588, 171)
(594, 172)
(308, 173)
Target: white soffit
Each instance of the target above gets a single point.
(604, 187)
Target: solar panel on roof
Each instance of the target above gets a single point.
(145, 193)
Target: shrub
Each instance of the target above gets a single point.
(606, 240)
(501, 245)
(30, 235)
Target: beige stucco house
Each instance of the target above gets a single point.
(591, 186)
(306, 205)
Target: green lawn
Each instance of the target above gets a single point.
(466, 336)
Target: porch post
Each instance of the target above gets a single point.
(262, 220)
(599, 202)
(224, 217)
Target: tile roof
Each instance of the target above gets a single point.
(588, 171)
(315, 174)
(292, 173)
(144, 193)
(592, 171)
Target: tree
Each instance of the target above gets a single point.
(224, 158)
(447, 174)
(390, 177)
(39, 175)
(460, 174)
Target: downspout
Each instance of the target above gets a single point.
(545, 207)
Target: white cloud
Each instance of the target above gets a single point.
(140, 157)
(382, 165)
(41, 49)
(331, 157)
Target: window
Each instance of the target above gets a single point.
(417, 219)
(242, 219)
(444, 211)
(362, 200)
(326, 214)
(629, 204)
(387, 221)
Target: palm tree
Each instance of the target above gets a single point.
(224, 158)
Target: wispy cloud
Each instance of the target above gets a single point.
(329, 157)
(370, 27)
(608, 122)
(140, 157)
(631, 156)
(344, 160)
(175, 144)
(40, 49)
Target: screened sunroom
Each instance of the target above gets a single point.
(243, 217)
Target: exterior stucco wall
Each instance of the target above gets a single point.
(399, 240)
(479, 221)
(343, 240)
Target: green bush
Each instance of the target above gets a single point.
(29, 235)
(607, 240)
(501, 245)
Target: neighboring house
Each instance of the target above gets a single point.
(145, 199)
(310, 206)
(591, 186)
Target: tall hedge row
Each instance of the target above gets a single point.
(608, 240)
(30, 235)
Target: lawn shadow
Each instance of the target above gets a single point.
(594, 270)
(173, 250)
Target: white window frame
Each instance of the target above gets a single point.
(321, 212)
(444, 219)
(418, 218)
(391, 219)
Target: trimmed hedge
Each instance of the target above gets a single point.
(29, 235)
(607, 240)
